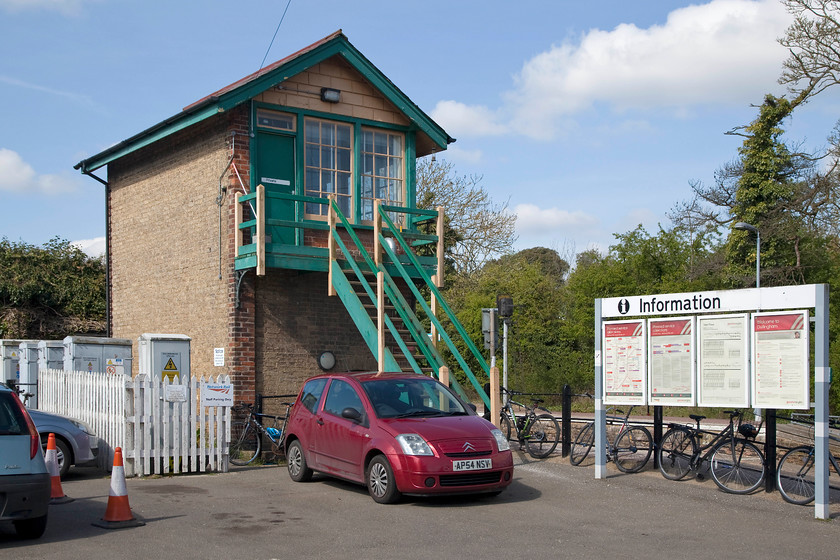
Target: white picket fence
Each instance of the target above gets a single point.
(159, 424)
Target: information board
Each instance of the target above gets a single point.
(671, 361)
(780, 360)
(625, 374)
(723, 364)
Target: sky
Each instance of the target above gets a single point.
(587, 119)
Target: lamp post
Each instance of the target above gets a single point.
(770, 441)
(747, 227)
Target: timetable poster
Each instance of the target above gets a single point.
(671, 361)
(780, 360)
(624, 362)
(723, 362)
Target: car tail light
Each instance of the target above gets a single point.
(34, 438)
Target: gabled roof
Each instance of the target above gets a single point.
(250, 86)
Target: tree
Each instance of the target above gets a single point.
(535, 355)
(813, 64)
(50, 291)
(478, 228)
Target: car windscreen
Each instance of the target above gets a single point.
(403, 398)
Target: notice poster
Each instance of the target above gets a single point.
(623, 359)
(671, 361)
(780, 360)
(723, 361)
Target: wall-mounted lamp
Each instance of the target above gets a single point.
(326, 361)
(330, 95)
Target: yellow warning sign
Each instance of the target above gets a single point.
(170, 370)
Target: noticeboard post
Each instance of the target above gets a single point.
(762, 357)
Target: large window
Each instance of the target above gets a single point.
(328, 167)
(382, 171)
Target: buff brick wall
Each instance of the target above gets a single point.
(165, 248)
(359, 99)
(165, 242)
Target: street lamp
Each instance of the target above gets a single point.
(747, 227)
(743, 226)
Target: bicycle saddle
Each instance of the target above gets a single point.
(696, 417)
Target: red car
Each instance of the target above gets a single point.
(397, 433)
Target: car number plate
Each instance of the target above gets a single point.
(472, 464)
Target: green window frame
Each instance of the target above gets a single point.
(328, 165)
(382, 173)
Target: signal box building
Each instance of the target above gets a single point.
(276, 220)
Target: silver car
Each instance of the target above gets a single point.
(75, 442)
(24, 480)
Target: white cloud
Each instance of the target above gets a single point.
(531, 220)
(68, 7)
(17, 176)
(460, 155)
(722, 52)
(467, 120)
(92, 247)
(76, 97)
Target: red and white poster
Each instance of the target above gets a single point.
(624, 370)
(780, 369)
(671, 361)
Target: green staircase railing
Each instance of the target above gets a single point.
(394, 295)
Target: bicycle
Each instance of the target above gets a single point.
(630, 449)
(536, 428)
(245, 435)
(736, 464)
(795, 475)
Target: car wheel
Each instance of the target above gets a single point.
(296, 461)
(31, 528)
(380, 481)
(62, 455)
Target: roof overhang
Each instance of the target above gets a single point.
(249, 87)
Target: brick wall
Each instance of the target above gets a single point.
(359, 99)
(295, 322)
(165, 237)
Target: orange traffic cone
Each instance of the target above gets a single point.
(118, 513)
(57, 495)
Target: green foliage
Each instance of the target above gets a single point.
(50, 285)
(534, 351)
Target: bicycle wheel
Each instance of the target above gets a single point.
(676, 450)
(504, 425)
(737, 466)
(584, 441)
(244, 443)
(632, 449)
(795, 476)
(542, 436)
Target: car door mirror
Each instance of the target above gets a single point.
(473, 407)
(352, 414)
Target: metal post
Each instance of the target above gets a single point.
(600, 412)
(822, 380)
(504, 353)
(657, 433)
(566, 425)
(770, 449)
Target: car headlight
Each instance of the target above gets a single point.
(501, 441)
(413, 444)
(82, 426)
